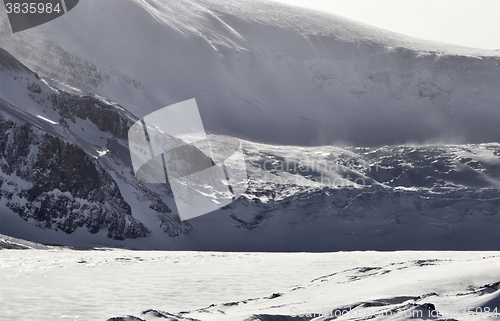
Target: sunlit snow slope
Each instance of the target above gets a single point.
(269, 72)
(209, 286)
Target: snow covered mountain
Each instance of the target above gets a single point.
(54, 169)
(261, 71)
(276, 77)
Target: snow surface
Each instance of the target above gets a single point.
(65, 284)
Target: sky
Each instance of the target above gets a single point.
(470, 23)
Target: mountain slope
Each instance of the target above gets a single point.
(267, 73)
(65, 167)
(54, 170)
(261, 70)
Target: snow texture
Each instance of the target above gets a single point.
(270, 73)
(216, 286)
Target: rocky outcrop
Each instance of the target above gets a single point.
(105, 116)
(59, 186)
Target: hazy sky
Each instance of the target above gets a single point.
(471, 23)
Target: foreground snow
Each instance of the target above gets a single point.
(59, 284)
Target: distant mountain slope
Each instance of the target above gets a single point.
(271, 73)
(66, 178)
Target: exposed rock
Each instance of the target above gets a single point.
(68, 189)
(104, 115)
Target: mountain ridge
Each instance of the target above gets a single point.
(259, 70)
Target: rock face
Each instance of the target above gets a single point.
(52, 177)
(101, 114)
(66, 188)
